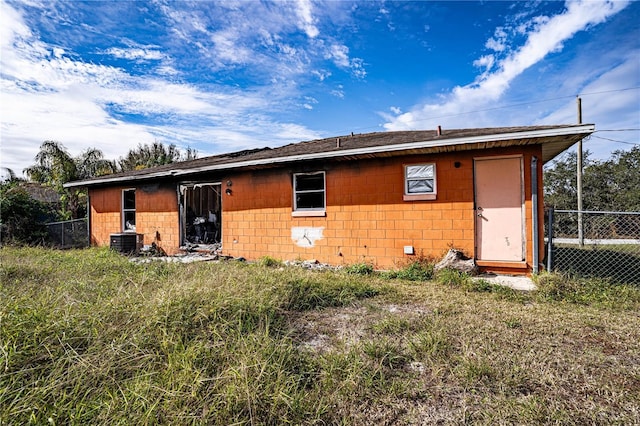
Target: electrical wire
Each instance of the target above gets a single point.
(614, 140)
(523, 104)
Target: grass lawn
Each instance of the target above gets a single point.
(87, 337)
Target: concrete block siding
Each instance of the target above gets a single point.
(156, 215)
(366, 218)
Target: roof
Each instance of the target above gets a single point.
(554, 140)
(41, 193)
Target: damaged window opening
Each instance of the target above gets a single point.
(309, 191)
(201, 209)
(129, 210)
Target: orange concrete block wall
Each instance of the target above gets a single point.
(157, 215)
(366, 218)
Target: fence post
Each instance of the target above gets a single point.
(550, 241)
(534, 214)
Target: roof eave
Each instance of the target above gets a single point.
(585, 130)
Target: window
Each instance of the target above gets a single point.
(309, 194)
(420, 182)
(129, 210)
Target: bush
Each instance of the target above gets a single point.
(22, 217)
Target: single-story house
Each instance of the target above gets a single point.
(382, 198)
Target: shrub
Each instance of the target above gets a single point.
(359, 269)
(22, 217)
(418, 270)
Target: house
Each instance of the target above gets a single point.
(382, 198)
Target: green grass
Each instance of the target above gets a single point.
(87, 337)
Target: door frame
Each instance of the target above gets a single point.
(182, 213)
(523, 225)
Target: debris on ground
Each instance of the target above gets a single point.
(456, 260)
(312, 265)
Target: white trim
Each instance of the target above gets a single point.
(587, 128)
(523, 217)
(309, 213)
(419, 197)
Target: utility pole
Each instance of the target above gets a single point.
(579, 179)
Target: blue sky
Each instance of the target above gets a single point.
(225, 76)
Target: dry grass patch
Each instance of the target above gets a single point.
(86, 337)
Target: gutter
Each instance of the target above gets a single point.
(583, 129)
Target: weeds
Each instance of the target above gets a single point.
(306, 294)
(587, 291)
(359, 269)
(269, 262)
(419, 270)
(86, 337)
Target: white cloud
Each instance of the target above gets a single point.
(307, 22)
(321, 74)
(47, 94)
(339, 54)
(309, 102)
(546, 35)
(485, 61)
(338, 92)
(135, 53)
(498, 42)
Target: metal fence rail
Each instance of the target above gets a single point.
(69, 233)
(607, 246)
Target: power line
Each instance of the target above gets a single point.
(609, 91)
(522, 104)
(614, 140)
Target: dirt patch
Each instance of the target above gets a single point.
(332, 329)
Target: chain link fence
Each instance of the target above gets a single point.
(596, 244)
(69, 234)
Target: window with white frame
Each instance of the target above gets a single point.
(129, 210)
(420, 181)
(309, 192)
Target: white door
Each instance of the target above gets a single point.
(499, 211)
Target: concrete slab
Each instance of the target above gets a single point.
(518, 282)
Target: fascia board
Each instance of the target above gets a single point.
(578, 129)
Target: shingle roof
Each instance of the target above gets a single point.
(554, 140)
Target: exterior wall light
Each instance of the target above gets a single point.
(228, 191)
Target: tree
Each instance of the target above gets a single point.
(55, 166)
(612, 185)
(155, 154)
(22, 217)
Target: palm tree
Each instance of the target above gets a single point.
(11, 176)
(155, 154)
(55, 166)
